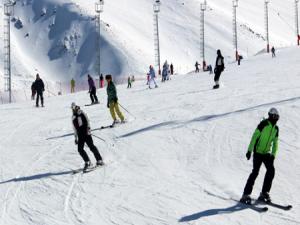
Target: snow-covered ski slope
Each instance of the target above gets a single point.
(181, 159)
(58, 38)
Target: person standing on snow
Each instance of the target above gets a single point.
(92, 90)
(101, 80)
(112, 100)
(219, 68)
(33, 91)
(39, 87)
(273, 52)
(129, 82)
(165, 71)
(82, 132)
(72, 85)
(264, 144)
(197, 67)
(152, 76)
(172, 69)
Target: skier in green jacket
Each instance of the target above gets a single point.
(112, 100)
(264, 145)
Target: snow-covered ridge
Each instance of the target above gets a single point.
(58, 38)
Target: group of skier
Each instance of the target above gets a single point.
(167, 71)
(263, 145)
(81, 125)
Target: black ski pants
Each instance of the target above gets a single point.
(268, 161)
(89, 141)
(39, 95)
(93, 95)
(217, 74)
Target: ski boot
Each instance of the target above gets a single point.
(264, 197)
(115, 122)
(87, 165)
(246, 199)
(100, 163)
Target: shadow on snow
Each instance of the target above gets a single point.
(213, 212)
(179, 124)
(37, 176)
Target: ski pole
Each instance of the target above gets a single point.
(127, 111)
(98, 138)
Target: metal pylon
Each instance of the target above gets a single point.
(156, 41)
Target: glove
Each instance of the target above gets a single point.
(272, 157)
(248, 155)
(107, 105)
(215, 70)
(88, 131)
(76, 142)
(115, 99)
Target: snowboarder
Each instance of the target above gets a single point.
(72, 85)
(92, 90)
(82, 132)
(152, 76)
(39, 87)
(273, 52)
(129, 82)
(219, 68)
(112, 100)
(197, 67)
(33, 91)
(101, 80)
(264, 144)
(172, 69)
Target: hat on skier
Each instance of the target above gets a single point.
(74, 107)
(273, 114)
(108, 77)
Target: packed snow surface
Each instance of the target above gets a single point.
(179, 161)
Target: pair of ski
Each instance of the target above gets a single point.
(89, 169)
(112, 125)
(254, 205)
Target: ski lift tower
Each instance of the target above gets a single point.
(156, 10)
(235, 39)
(99, 9)
(202, 34)
(267, 24)
(297, 21)
(8, 12)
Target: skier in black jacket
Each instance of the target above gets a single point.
(39, 87)
(82, 132)
(219, 68)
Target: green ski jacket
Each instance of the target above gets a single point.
(265, 139)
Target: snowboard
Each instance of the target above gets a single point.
(252, 205)
(92, 104)
(88, 170)
(276, 205)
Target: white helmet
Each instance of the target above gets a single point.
(73, 105)
(273, 113)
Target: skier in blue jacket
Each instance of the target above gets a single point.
(152, 76)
